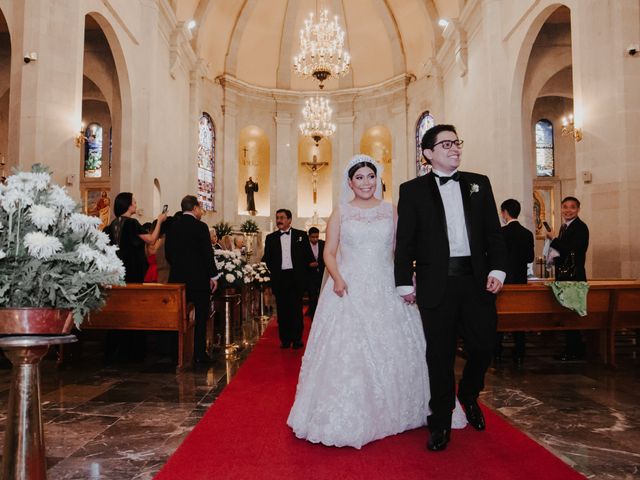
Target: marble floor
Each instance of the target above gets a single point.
(123, 421)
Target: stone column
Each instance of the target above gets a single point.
(46, 94)
(229, 171)
(399, 165)
(284, 167)
(343, 150)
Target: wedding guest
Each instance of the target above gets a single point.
(213, 235)
(520, 253)
(316, 270)
(227, 242)
(287, 254)
(188, 250)
(569, 249)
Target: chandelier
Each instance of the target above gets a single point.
(317, 119)
(321, 49)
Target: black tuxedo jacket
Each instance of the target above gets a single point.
(188, 250)
(301, 256)
(421, 235)
(574, 240)
(317, 272)
(520, 251)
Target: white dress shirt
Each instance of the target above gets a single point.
(315, 249)
(285, 243)
(456, 226)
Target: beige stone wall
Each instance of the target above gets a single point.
(485, 77)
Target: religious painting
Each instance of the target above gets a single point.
(425, 122)
(93, 151)
(542, 209)
(97, 203)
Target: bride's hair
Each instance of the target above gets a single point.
(352, 171)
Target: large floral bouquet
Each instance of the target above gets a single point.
(51, 256)
(261, 273)
(234, 271)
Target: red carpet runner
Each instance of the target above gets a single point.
(244, 436)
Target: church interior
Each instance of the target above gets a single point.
(213, 98)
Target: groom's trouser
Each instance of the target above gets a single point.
(289, 304)
(469, 312)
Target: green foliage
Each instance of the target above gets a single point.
(222, 228)
(249, 226)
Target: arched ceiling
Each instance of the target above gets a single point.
(256, 40)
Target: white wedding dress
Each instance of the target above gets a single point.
(364, 374)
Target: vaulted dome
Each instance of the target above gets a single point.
(256, 40)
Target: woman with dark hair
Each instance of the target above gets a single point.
(130, 237)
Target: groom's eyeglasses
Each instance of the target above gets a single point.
(447, 144)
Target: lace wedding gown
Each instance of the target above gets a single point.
(364, 374)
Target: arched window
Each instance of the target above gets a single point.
(93, 151)
(544, 149)
(425, 122)
(206, 162)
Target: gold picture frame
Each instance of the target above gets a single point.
(543, 208)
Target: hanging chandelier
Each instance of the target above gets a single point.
(317, 119)
(322, 53)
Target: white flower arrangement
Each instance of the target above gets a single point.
(233, 268)
(261, 273)
(474, 188)
(50, 255)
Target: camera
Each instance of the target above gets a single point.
(30, 57)
(633, 49)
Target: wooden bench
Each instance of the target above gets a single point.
(611, 305)
(149, 306)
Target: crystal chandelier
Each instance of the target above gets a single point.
(317, 119)
(321, 49)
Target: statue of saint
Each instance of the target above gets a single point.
(251, 187)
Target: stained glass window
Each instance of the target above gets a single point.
(544, 149)
(206, 162)
(425, 122)
(93, 151)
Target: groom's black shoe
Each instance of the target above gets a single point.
(438, 439)
(474, 414)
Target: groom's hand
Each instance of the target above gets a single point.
(410, 299)
(493, 284)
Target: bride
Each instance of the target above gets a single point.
(364, 373)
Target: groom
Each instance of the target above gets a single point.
(448, 225)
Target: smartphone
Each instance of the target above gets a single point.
(165, 207)
(546, 226)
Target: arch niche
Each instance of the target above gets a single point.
(376, 142)
(253, 163)
(314, 177)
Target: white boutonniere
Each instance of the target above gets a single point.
(299, 239)
(474, 188)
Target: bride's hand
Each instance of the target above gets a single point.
(340, 288)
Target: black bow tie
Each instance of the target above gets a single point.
(455, 177)
(285, 233)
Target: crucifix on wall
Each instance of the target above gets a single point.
(314, 167)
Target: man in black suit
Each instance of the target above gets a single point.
(316, 270)
(188, 250)
(520, 253)
(569, 249)
(287, 254)
(448, 225)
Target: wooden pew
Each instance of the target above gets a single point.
(149, 306)
(611, 305)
